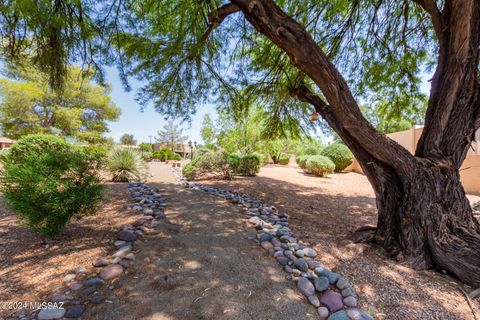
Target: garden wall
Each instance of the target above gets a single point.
(469, 172)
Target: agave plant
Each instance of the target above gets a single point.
(127, 164)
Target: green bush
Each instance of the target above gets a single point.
(47, 180)
(263, 159)
(177, 157)
(145, 147)
(127, 164)
(341, 156)
(210, 164)
(284, 160)
(245, 165)
(319, 166)
(164, 154)
(302, 161)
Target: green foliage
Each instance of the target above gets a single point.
(207, 131)
(284, 160)
(47, 180)
(245, 164)
(276, 148)
(127, 164)
(128, 139)
(171, 135)
(263, 159)
(209, 164)
(80, 111)
(177, 157)
(319, 165)
(308, 147)
(145, 147)
(340, 155)
(302, 161)
(163, 154)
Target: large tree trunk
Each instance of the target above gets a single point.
(423, 214)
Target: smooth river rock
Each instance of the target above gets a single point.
(305, 286)
(111, 272)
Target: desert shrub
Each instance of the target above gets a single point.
(211, 164)
(302, 161)
(145, 147)
(163, 154)
(147, 156)
(263, 159)
(245, 164)
(319, 166)
(47, 180)
(311, 151)
(201, 151)
(176, 156)
(127, 164)
(341, 156)
(284, 160)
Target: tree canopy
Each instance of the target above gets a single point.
(171, 135)
(128, 139)
(29, 105)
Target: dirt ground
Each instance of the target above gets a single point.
(324, 211)
(30, 269)
(201, 265)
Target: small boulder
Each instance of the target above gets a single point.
(110, 272)
(305, 286)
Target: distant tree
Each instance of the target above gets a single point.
(208, 131)
(171, 134)
(127, 139)
(146, 147)
(29, 106)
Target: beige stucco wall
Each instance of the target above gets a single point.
(469, 172)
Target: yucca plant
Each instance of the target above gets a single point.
(127, 164)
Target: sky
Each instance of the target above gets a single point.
(145, 124)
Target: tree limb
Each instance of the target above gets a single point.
(304, 53)
(216, 17)
(431, 7)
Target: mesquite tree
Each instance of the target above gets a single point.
(293, 55)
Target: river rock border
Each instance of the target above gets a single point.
(329, 292)
(81, 288)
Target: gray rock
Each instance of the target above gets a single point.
(282, 260)
(58, 298)
(265, 236)
(340, 315)
(122, 252)
(357, 314)
(288, 269)
(49, 314)
(323, 312)
(126, 235)
(321, 283)
(309, 252)
(97, 299)
(348, 292)
(110, 272)
(88, 291)
(120, 243)
(93, 282)
(266, 245)
(75, 311)
(101, 262)
(80, 270)
(75, 286)
(342, 283)
(296, 272)
(305, 286)
(314, 301)
(300, 253)
(69, 277)
(332, 276)
(350, 301)
(314, 264)
(318, 270)
(301, 265)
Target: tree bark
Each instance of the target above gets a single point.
(424, 217)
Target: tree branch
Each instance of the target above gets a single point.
(344, 112)
(216, 17)
(431, 7)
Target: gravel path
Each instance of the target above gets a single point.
(200, 265)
